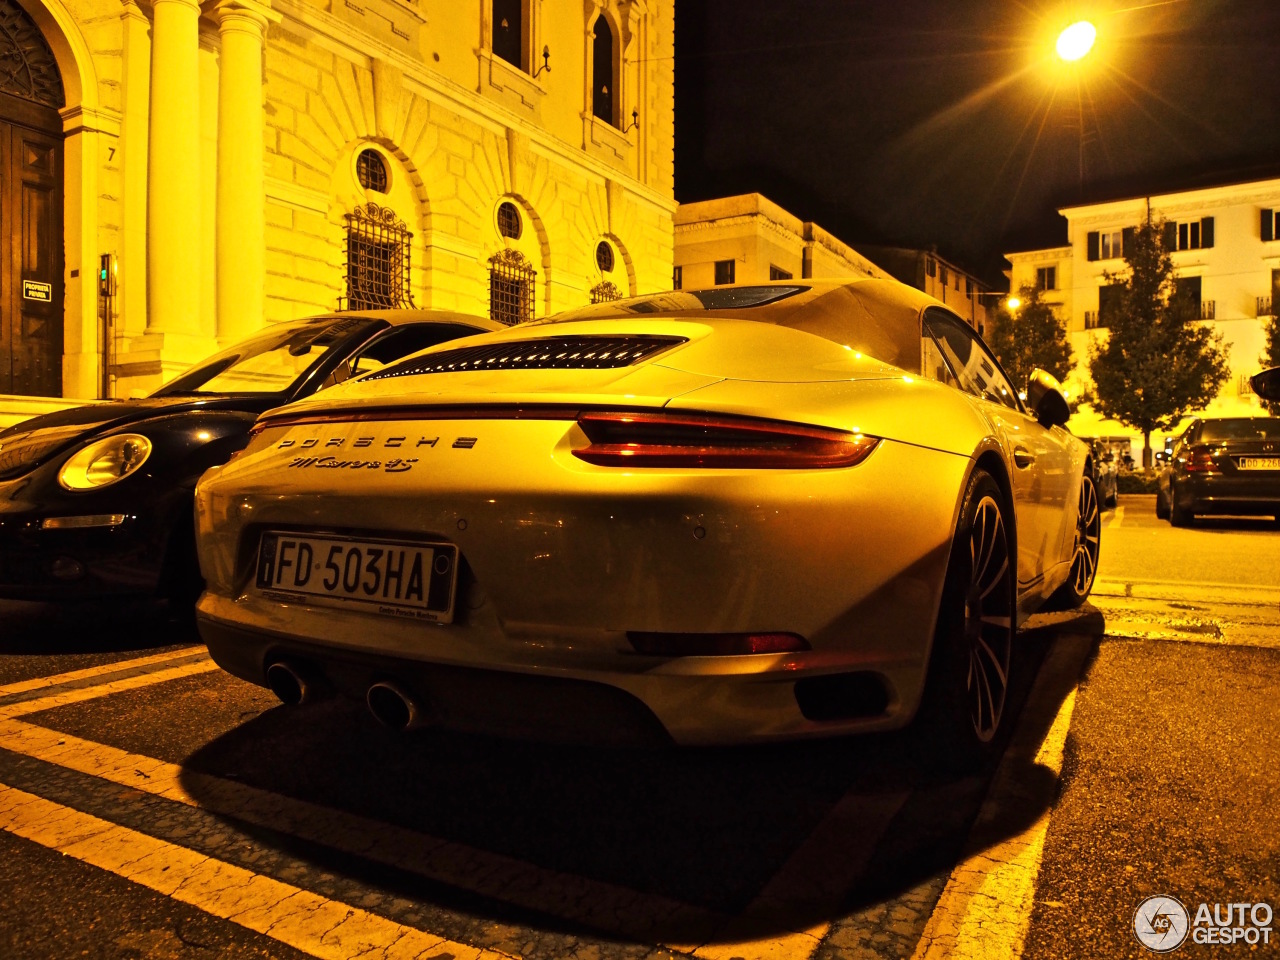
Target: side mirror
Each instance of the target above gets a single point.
(1044, 397)
(1267, 384)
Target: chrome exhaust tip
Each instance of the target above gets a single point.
(393, 707)
(289, 685)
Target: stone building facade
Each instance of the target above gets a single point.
(1226, 250)
(210, 168)
(750, 239)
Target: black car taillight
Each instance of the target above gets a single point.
(1199, 460)
(641, 439)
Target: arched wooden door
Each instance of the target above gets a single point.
(30, 209)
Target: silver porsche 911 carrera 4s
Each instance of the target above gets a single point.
(740, 514)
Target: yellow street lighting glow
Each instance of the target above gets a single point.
(1014, 303)
(1077, 40)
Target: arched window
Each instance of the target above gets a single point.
(377, 266)
(508, 31)
(509, 224)
(371, 171)
(602, 71)
(604, 256)
(511, 280)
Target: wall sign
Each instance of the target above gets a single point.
(35, 290)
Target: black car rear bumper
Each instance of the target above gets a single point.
(1226, 494)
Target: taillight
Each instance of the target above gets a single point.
(715, 644)
(1199, 461)
(634, 439)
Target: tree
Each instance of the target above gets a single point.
(1029, 337)
(1272, 357)
(1159, 362)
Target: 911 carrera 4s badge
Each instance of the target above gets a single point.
(394, 465)
(396, 578)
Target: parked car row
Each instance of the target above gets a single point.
(739, 514)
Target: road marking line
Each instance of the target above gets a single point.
(985, 909)
(81, 694)
(502, 878)
(115, 667)
(303, 920)
(813, 882)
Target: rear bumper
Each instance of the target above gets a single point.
(691, 700)
(1231, 494)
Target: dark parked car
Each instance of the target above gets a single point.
(1222, 465)
(96, 501)
(1105, 470)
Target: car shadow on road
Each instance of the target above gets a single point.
(779, 838)
(97, 627)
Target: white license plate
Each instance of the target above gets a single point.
(398, 578)
(1258, 463)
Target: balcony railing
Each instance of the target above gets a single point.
(1092, 321)
(1264, 307)
(1208, 309)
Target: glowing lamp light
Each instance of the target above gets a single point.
(1013, 303)
(1077, 40)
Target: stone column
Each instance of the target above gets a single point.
(241, 217)
(173, 188)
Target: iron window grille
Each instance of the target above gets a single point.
(725, 271)
(511, 281)
(509, 224)
(604, 292)
(377, 260)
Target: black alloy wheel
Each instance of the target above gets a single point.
(969, 673)
(1085, 550)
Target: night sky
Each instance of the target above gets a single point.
(951, 123)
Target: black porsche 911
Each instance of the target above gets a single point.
(96, 501)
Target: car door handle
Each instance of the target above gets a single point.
(1022, 458)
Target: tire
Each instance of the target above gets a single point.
(1179, 514)
(1085, 551)
(966, 690)
(1162, 506)
(180, 580)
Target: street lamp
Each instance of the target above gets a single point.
(1076, 40)
(1013, 303)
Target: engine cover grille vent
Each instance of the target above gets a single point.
(547, 353)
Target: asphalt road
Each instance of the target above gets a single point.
(151, 806)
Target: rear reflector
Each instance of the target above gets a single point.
(636, 439)
(715, 644)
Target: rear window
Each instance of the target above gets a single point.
(1244, 428)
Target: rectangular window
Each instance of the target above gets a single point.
(942, 276)
(377, 261)
(1112, 245)
(1046, 278)
(725, 271)
(1270, 221)
(931, 267)
(508, 31)
(1195, 234)
(1108, 301)
(968, 287)
(677, 278)
(957, 281)
(777, 273)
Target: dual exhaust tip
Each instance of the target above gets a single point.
(391, 705)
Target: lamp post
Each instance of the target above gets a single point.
(1074, 44)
